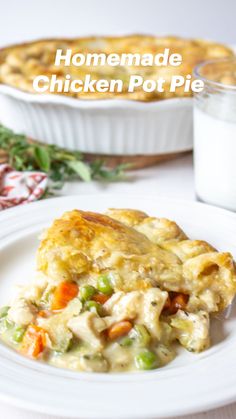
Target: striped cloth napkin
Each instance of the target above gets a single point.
(20, 187)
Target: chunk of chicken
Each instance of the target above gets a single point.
(22, 312)
(143, 306)
(85, 327)
(33, 291)
(56, 325)
(153, 302)
(192, 330)
(123, 306)
(208, 301)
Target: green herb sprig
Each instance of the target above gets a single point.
(60, 164)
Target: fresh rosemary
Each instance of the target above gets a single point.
(60, 164)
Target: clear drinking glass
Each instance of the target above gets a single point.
(215, 133)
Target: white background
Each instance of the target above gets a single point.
(30, 19)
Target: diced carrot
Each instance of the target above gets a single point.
(178, 302)
(34, 341)
(101, 298)
(44, 313)
(119, 329)
(64, 292)
(167, 303)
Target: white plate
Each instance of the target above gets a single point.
(190, 383)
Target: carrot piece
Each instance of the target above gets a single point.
(119, 329)
(167, 303)
(101, 298)
(44, 313)
(34, 341)
(178, 302)
(64, 292)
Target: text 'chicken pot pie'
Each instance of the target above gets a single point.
(20, 64)
(116, 292)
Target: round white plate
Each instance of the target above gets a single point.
(189, 384)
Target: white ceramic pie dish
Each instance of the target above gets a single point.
(112, 127)
(189, 384)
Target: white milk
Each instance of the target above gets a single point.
(215, 159)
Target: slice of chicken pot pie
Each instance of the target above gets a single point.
(118, 292)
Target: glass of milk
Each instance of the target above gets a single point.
(215, 133)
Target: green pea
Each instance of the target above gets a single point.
(126, 341)
(94, 307)
(18, 334)
(104, 285)
(4, 311)
(146, 360)
(141, 335)
(86, 292)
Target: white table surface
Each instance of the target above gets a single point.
(171, 179)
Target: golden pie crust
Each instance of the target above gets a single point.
(20, 64)
(144, 251)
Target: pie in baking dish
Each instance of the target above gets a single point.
(118, 292)
(20, 64)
